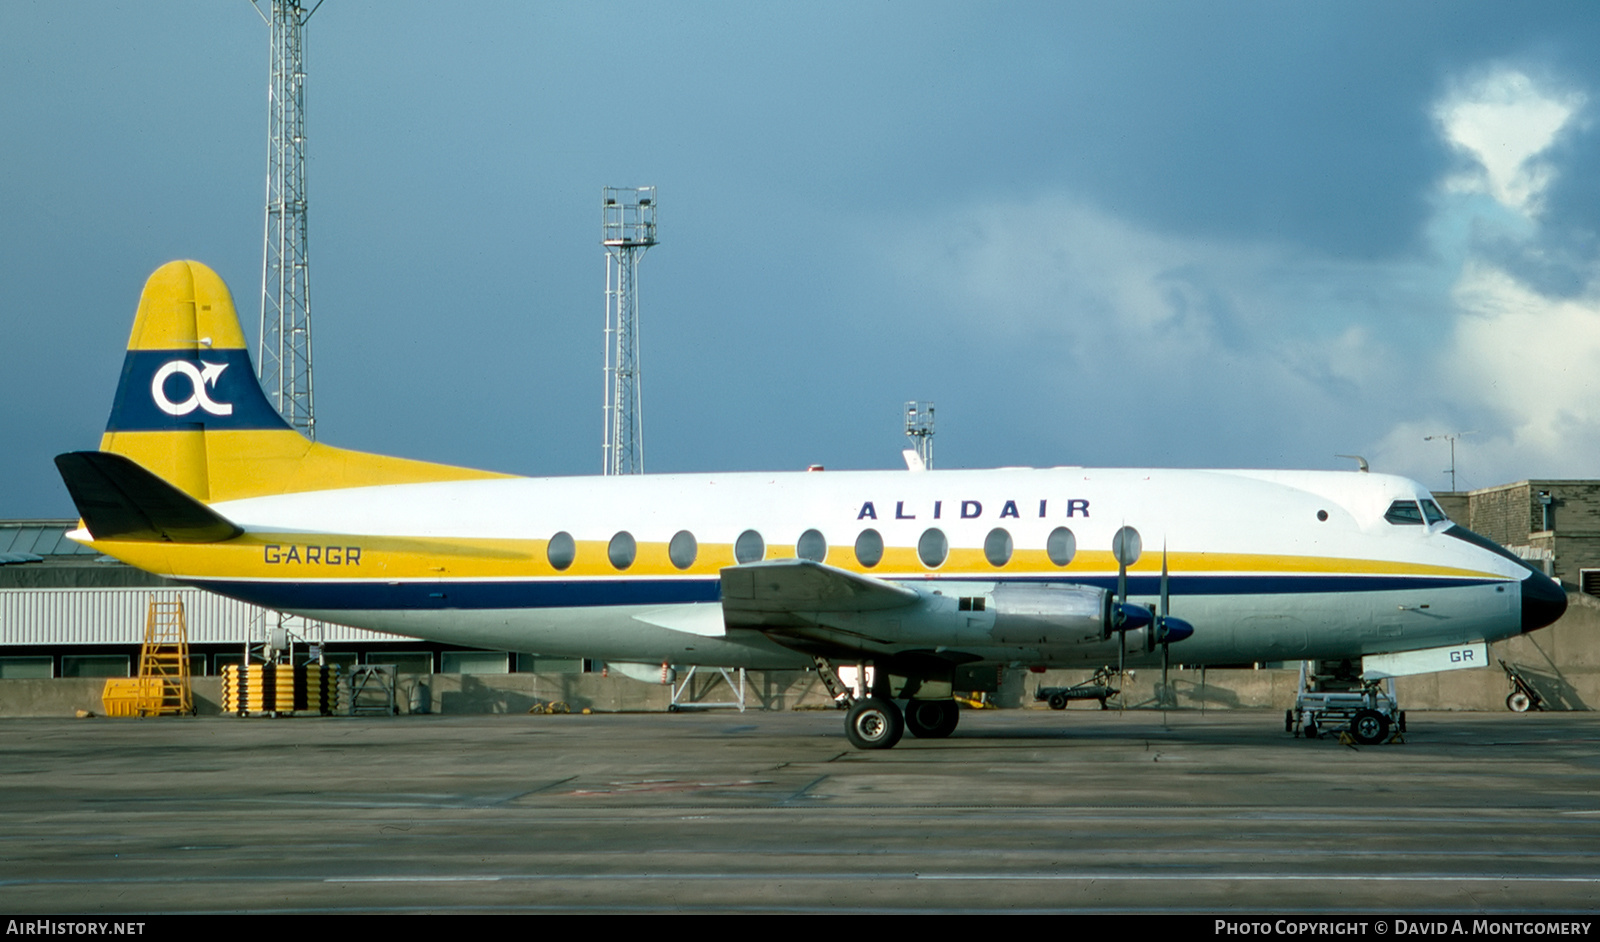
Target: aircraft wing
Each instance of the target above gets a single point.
(762, 593)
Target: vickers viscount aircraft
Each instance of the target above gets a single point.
(933, 579)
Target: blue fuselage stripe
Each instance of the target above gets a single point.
(327, 595)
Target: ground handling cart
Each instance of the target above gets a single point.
(1333, 698)
(1522, 697)
(1097, 687)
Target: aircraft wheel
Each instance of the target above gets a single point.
(1058, 701)
(1518, 702)
(932, 719)
(874, 724)
(1369, 727)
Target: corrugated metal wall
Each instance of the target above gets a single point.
(117, 616)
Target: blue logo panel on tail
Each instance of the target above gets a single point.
(169, 390)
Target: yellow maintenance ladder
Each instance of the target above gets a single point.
(162, 687)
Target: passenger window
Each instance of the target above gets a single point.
(933, 548)
(1061, 546)
(997, 547)
(812, 546)
(1431, 511)
(1404, 512)
(561, 551)
(749, 547)
(869, 548)
(683, 549)
(622, 550)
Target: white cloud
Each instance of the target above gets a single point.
(1503, 121)
(1288, 358)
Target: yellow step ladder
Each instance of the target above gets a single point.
(162, 687)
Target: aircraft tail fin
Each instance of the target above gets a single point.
(190, 411)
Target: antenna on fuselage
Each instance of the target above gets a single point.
(1361, 463)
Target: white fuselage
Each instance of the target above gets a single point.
(1265, 565)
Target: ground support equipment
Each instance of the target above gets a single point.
(1333, 699)
(1097, 687)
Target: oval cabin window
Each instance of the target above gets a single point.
(749, 547)
(561, 551)
(812, 546)
(1061, 546)
(869, 548)
(622, 550)
(997, 547)
(683, 549)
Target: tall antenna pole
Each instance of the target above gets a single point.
(284, 361)
(1452, 440)
(628, 230)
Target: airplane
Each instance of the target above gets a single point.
(928, 581)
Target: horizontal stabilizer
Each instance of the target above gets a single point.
(800, 585)
(119, 500)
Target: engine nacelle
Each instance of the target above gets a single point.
(1050, 613)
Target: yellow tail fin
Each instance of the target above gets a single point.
(189, 408)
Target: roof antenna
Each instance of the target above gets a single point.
(1361, 463)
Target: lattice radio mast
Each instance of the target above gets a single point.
(284, 360)
(628, 230)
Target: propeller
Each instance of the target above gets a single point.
(1166, 629)
(1125, 546)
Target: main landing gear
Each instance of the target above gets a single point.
(874, 724)
(875, 721)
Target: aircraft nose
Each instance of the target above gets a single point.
(1543, 601)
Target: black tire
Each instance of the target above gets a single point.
(874, 724)
(1309, 730)
(1369, 727)
(932, 719)
(1519, 702)
(1058, 701)
(1288, 721)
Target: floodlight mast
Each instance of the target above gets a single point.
(628, 230)
(284, 351)
(919, 428)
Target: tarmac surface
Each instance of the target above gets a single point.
(774, 812)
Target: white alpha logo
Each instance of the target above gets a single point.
(198, 381)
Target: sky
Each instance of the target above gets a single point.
(1147, 234)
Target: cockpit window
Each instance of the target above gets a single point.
(1431, 511)
(1404, 512)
